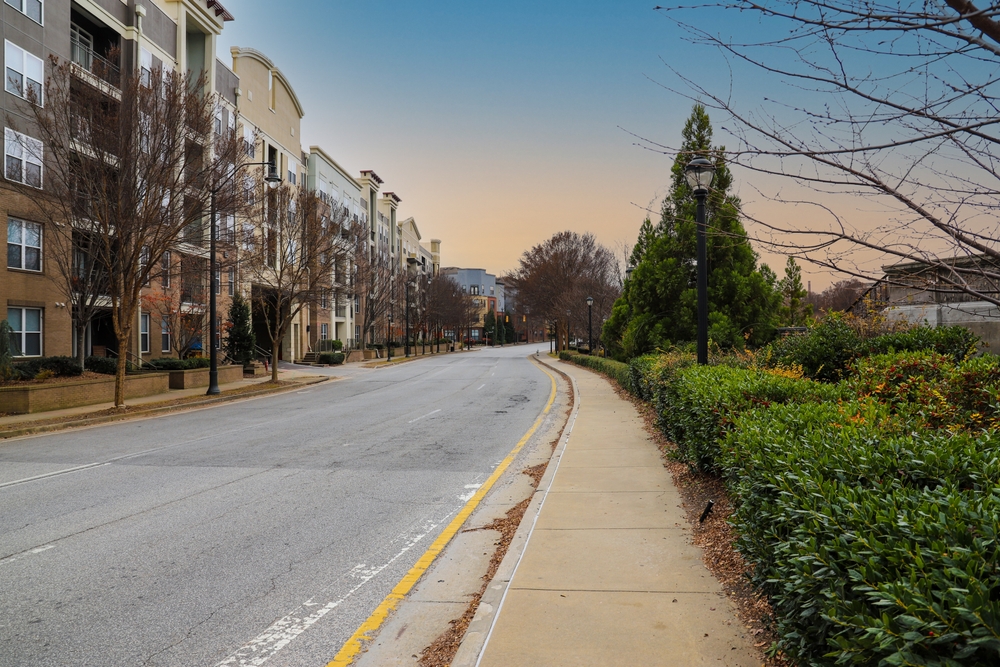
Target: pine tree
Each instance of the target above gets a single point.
(241, 341)
(646, 236)
(794, 311)
(658, 306)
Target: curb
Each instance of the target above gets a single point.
(481, 627)
(181, 407)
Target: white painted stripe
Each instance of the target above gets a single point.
(25, 554)
(480, 387)
(264, 646)
(422, 416)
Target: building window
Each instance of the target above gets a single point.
(474, 289)
(145, 68)
(357, 332)
(25, 73)
(322, 299)
(26, 331)
(218, 280)
(165, 269)
(232, 282)
(218, 122)
(291, 177)
(24, 245)
(23, 162)
(324, 331)
(144, 333)
(30, 8)
(164, 337)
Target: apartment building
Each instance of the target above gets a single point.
(270, 117)
(101, 38)
(486, 291)
(342, 192)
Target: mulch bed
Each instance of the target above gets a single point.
(715, 536)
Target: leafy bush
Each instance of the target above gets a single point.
(824, 352)
(172, 364)
(51, 367)
(106, 365)
(616, 370)
(337, 345)
(874, 540)
(956, 342)
(699, 403)
(331, 357)
(931, 388)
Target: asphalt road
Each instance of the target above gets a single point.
(267, 529)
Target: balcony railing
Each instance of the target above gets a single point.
(89, 61)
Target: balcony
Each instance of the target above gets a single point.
(87, 42)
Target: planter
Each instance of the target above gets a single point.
(369, 354)
(74, 393)
(354, 356)
(198, 377)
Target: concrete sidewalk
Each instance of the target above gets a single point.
(609, 575)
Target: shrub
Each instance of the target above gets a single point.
(873, 538)
(616, 370)
(172, 364)
(106, 365)
(337, 345)
(58, 366)
(956, 342)
(824, 352)
(331, 357)
(699, 403)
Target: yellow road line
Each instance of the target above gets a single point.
(366, 631)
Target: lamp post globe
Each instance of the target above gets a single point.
(699, 174)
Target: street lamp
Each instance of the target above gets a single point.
(272, 179)
(699, 174)
(590, 325)
(388, 339)
(628, 272)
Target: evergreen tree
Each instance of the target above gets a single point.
(794, 310)
(489, 326)
(241, 341)
(658, 306)
(646, 236)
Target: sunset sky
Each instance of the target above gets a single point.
(498, 124)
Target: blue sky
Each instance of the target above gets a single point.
(498, 124)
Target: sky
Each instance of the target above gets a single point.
(497, 124)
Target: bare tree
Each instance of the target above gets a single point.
(179, 301)
(899, 107)
(128, 167)
(447, 305)
(290, 248)
(554, 279)
(375, 283)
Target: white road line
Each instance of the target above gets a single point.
(422, 416)
(25, 554)
(480, 387)
(263, 647)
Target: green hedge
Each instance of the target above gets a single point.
(616, 370)
(172, 364)
(58, 366)
(331, 357)
(874, 540)
(697, 406)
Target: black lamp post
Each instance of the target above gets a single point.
(590, 325)
(699, 174)
(272, 179)
(388, 338)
